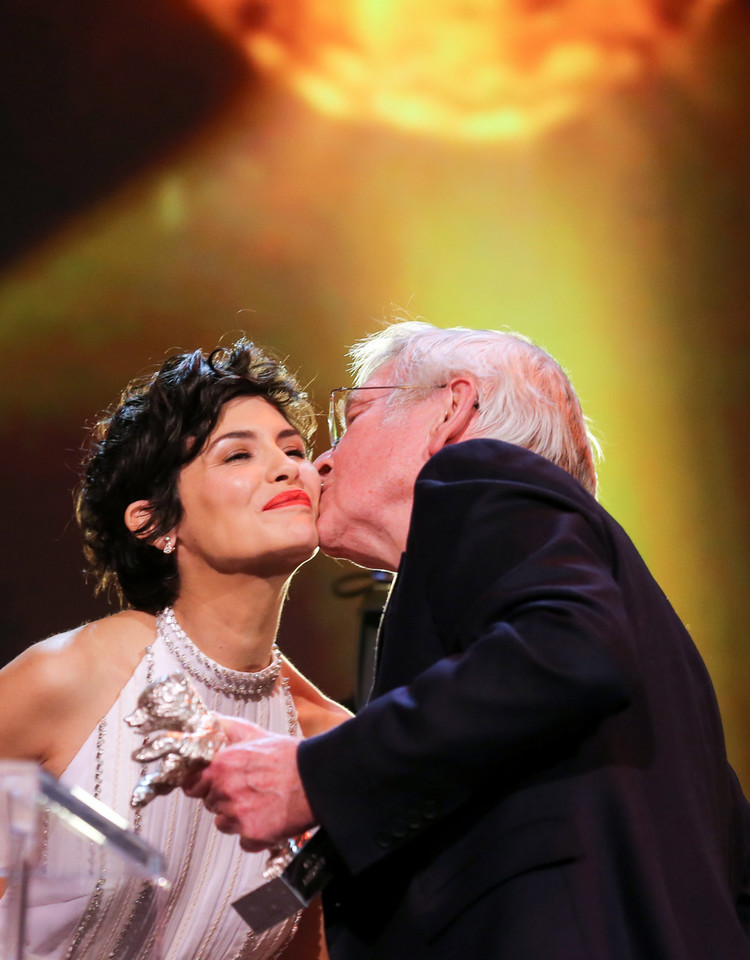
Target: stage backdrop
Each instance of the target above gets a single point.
(177, 172)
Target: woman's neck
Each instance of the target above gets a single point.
(235, 626)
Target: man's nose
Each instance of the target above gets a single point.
(324, 463)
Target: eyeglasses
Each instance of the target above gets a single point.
(338, 405)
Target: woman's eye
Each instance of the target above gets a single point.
(237, 455)
(296, 452)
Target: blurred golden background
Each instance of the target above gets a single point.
(578, 170)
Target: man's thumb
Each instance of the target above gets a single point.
(237, 730)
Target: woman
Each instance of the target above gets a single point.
(198, 503)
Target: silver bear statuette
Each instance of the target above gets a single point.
(179, 731)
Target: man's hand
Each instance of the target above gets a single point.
(253, 787)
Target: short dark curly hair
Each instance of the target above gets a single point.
(138, 448)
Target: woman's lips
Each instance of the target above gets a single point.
(289, 498)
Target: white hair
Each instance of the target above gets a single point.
(525, 397)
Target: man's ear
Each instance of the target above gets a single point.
(138, 518)
(460, 406)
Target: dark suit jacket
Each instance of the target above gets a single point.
(540, 773)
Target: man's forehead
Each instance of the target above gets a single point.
(381, 377)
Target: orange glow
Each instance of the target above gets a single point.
(475, 70)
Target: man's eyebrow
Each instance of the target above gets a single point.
(355, 396)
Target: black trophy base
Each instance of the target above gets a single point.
(302, 880)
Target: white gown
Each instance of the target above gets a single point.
(207, 869)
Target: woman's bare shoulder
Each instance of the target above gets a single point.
(47, 669)
(60, 663)
(317, 712)
(57, 682)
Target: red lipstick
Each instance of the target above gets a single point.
(289, 498)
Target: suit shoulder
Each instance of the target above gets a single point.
(509, 470)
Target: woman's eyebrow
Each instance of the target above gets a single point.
(252, 435)
(233, 435)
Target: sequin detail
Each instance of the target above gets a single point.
(232, 683)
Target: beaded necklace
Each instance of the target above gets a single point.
(232, 683)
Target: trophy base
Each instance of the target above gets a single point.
(301, 881)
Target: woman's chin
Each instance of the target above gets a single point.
(307, 554)
(287, 561)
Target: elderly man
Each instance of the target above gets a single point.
(540, 771)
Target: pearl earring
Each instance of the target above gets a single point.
(168, 545)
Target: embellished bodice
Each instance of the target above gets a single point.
(207, 869)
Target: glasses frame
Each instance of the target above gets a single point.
(335, 431)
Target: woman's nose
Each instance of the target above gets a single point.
(286, 468)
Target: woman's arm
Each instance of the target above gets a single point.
(36, 694)
(54, 693)
(316, 712)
